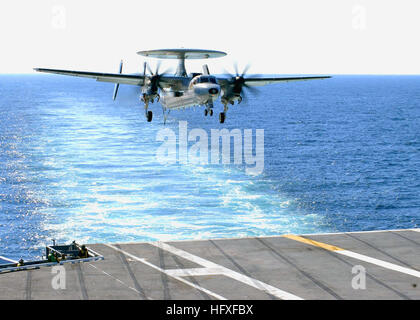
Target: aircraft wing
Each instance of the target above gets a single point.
(264, 81)
(261, 81)
(133, 79)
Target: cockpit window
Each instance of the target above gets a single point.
(207, 79)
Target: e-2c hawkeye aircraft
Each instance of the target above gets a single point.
(180, 90)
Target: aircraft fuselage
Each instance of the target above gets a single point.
(201, 90)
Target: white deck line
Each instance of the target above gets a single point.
(210, 293)
(195, 272)
(381, 263)
(228, 272)
(355, 255)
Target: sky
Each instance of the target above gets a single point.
(275, 37)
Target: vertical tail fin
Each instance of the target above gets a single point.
(206, 70)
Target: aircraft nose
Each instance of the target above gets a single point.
(213, 91)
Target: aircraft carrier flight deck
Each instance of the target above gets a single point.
(355, 265)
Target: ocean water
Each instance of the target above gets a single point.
(341, 154)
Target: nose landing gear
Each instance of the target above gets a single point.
(222, 117)
(208, 112)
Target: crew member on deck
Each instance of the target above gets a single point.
(83, 252)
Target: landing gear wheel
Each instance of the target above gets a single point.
(222, 117)
(149, 116)
(206, 112)
(211, 112)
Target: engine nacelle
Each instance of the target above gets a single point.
(148, 97)
(231, 98)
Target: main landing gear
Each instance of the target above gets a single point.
(148, 114)
(222, 115)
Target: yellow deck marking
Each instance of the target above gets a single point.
(313, 242)
(355, 255)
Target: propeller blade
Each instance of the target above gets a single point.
(157, 68)
(244, 96)
(117, 85)
(238, 84)
(245, 69)
(226, 72)
(235, 66)
(166, 72)
(149, 69)
(252, 89)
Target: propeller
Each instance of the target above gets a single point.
(155, 76)
(117, 85)
(238, 83)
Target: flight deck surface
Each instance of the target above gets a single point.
(356, 265)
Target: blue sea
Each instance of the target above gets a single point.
(341, 154)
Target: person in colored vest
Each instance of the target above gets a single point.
(83, 252)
